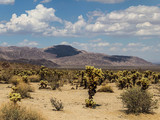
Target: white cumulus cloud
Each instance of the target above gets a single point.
(28, 43)
(7, 1)
(46, 1)
(143, 21)
(34, 21)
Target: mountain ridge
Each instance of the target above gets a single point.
(66, 55)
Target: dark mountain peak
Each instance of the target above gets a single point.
(117, 58)
(62, 50)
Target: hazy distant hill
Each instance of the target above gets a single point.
(65, 55)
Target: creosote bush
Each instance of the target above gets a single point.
(57, 104)
(137, 100)
(11, 111)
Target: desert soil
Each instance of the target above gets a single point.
(110, 106)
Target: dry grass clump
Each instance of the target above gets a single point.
(11, 111)
(106, 88)
(15, 80)
(24, 90)
(34, 78)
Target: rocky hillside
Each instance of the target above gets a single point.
(65, 55)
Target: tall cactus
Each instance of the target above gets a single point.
(92, 75)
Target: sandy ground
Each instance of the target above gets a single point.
(111, 107)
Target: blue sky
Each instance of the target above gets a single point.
(113, 27)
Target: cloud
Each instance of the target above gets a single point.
(46, 1)
(28, 43)
(96, 40)
(146, 48)
(135, 45)
(113, 49)
(142, 21)
(34, 0)
(4, 44)
(7, 1)
(107, 1)
(35, 21)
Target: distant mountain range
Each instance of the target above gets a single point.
(65, 55)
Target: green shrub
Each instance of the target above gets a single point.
(57, 104)
(10, 111)
(137, 100)
(106, 88)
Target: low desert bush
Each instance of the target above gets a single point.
(15, 80)
(57, 104)
(106, 88)
(11, 111)
(6, 76)
(34, 78)
(24, 90)
(54, 85)
(137, 100)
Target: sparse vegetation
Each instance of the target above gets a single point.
(136, 84)
(137, 100)
(57, 104)
(106, 88)
(23, 89)
(10, 111)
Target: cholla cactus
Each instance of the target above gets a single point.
(143, 83)
(43, 84)
(92, 76)
(43, 72)
(15, 97)
(25, 79)
(14, 88)
(90, 103)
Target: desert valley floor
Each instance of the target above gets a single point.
(110, 106)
